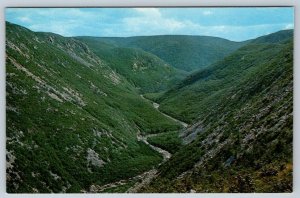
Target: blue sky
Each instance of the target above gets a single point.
(235, 24)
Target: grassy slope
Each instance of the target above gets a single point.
(63, 102)
(169, 141)
(186, 53)
(246, 139)
(194, 96)
(144, 70)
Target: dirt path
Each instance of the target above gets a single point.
(166, 155)
(156, 106)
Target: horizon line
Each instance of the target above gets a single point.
(155, 35)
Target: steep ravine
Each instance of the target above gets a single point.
(141, 179)
(149, 175)
(146, 177)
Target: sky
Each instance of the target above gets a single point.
(236, 24)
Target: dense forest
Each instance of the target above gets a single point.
(148, 114)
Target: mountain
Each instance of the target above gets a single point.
(183, 52)
(79, 118)
(73, 122)
(275, 37)
(241, 132)
(144, 70)
(195, 95)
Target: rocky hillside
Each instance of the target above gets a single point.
(241, 132)
(142, 69)
(72, 121)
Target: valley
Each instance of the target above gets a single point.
(156, 106)
(148, 114)
(145, 178)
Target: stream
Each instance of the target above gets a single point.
(151, 174)
(146, 177)
(156, 106)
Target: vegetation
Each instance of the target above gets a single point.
(153, 96)
(169, 141)
(186, 53)
(71, 120)
(246, 142)
(76, 119)
(144, 70)
(196, 94)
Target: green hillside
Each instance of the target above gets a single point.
(76, 121)
(275, 37)
(144, 70)
(72, 121)
(195, 95)
(242, 124)
(186, 53)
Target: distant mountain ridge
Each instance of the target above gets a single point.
(275, 37)
(183, 52)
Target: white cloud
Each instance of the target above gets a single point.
(153, 22)
(149, 12)
(150, 21)
(63, 21)
(62, 12)
(207, 12)
(63, 28)
(24, 19)
(289, 26)
(135, 22)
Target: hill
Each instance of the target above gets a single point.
(144, 70)
(183, 52)
(241, 133)
(198, 92)
(72, 122)
(76, 121)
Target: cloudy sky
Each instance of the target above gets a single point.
(235, 24)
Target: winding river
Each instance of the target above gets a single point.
(146, 177)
